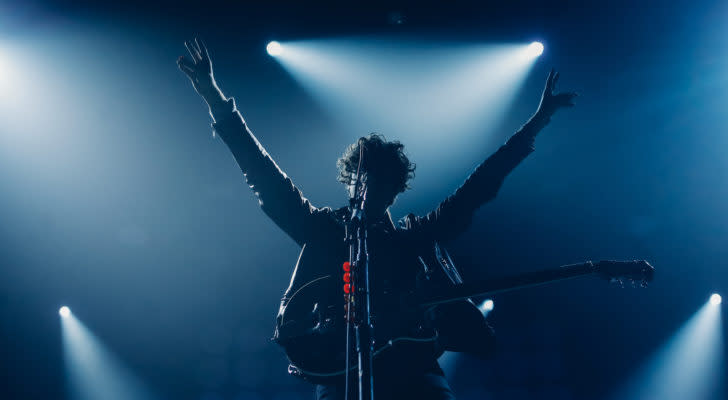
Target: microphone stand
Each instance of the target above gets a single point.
(363, 326)
(358, 299)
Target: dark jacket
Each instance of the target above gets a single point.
(394, 249)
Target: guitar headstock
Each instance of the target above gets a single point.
(636, 271)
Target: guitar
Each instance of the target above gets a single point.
(312, 327)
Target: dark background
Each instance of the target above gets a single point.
(115, 200)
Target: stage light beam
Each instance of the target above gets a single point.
(274, 48)
(414, 89)
(92, 371)
(715, 299)
(64, 311)
(688, 366)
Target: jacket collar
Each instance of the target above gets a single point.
(384, 223)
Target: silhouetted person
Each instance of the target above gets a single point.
(393, 248)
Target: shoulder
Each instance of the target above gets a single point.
(326, 213)
(339, 214)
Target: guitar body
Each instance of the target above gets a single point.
(312, 331)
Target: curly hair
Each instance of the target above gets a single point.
(382, 158)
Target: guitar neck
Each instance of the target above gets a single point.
(492, 286)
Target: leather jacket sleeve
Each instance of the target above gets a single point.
(453, 215)
(277, 195)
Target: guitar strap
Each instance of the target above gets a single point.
(438, 269)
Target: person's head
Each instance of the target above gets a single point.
(387, 168)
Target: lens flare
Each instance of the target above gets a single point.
(64, 312)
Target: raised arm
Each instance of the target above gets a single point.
(277, 195)
(454, 214)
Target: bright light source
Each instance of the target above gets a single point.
(274, 48)
(487, 306)
(715, 299)
(535, 49)
(64, 312)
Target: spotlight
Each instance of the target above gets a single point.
(274, 48)
(535, 49)
(487, 306)
(715, 299)
(64, 312)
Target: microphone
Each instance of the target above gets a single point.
(358, 197)
(358, 194)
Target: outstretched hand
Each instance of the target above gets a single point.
(550, 101)
(199, 69)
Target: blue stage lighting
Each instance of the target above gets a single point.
(688, 366)
(64, 312)
(535, 49)
(274, 48)
(92, 371)
(360, 80)
(715, 299)
(487, 306)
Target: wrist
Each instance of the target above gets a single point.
(214, 97)
(527, 134)
(542, 113)
(539, 120)
(210, 91)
